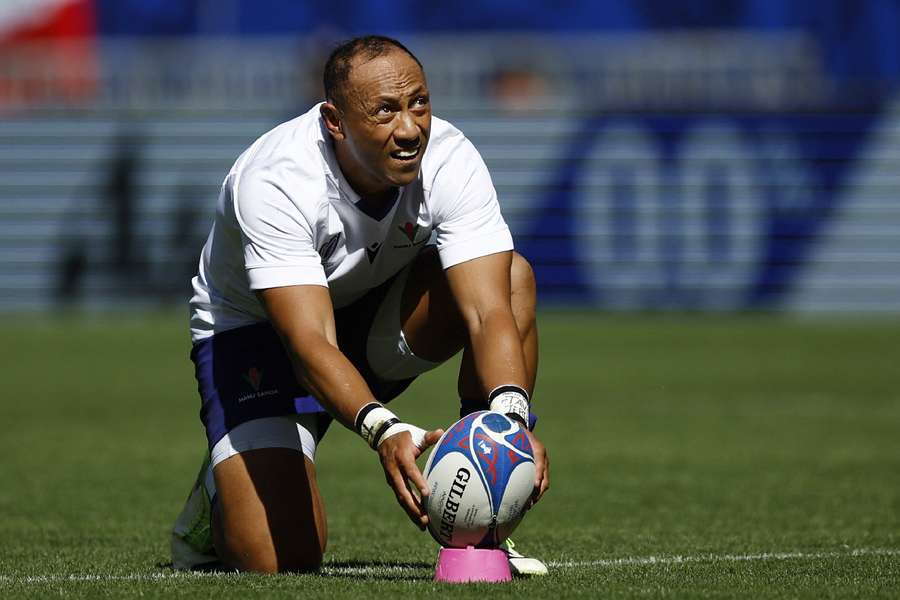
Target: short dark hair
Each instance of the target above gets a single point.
(339, 63)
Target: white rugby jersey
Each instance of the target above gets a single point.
(286, 216)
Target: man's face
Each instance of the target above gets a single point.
(386, 122)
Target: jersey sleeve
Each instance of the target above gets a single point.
(468, 222)
(278, 239)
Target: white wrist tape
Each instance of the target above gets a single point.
(375, 424)
(372, 421)
(510, 400)
(417, 433)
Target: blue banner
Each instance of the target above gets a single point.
(711, 212)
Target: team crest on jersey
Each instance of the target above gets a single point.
(410, 231)
(253, 377)
(328, 248)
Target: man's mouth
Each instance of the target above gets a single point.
(406, 154)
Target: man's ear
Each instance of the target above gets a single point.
(331, 116)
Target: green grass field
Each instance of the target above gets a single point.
(691, 457)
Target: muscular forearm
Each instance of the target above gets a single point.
(310, 338)
(330, 377)
(497, 349)
(481, 288)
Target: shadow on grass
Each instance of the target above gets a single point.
(212, 567)
(378, 569)
(351, 569)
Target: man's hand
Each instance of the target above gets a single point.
(541, 468)
(398, 455)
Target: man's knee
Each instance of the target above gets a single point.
(280, 552)
(269, 515)
(290, 558)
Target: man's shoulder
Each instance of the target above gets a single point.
(299, 140)
(444, 137)
(290, 158)
(449, 151)
(446, 146)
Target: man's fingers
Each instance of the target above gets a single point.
(407, 464)
(431, 439)
(409, 502)
(412, 473)
(541, 473)
(398, 457)
(545, 480)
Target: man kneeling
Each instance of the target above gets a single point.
(354, 248)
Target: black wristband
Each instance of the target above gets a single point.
(361, 415)
(512, 401)
(384, 427)
(507, 388)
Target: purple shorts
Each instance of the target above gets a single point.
(245, 373)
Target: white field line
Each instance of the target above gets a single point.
(368, 571)
(711, 558)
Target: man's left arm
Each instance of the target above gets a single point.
(481, 288)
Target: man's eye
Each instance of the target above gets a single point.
(385, 110)
(422, 100)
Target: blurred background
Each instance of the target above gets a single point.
(724, 156)
(693, 163)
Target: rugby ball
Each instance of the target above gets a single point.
(480, 476)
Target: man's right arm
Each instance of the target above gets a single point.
(285, 270)
(304, 319)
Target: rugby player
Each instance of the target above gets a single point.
(354, 248)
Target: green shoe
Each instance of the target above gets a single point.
(191, 540)
(521, 565)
